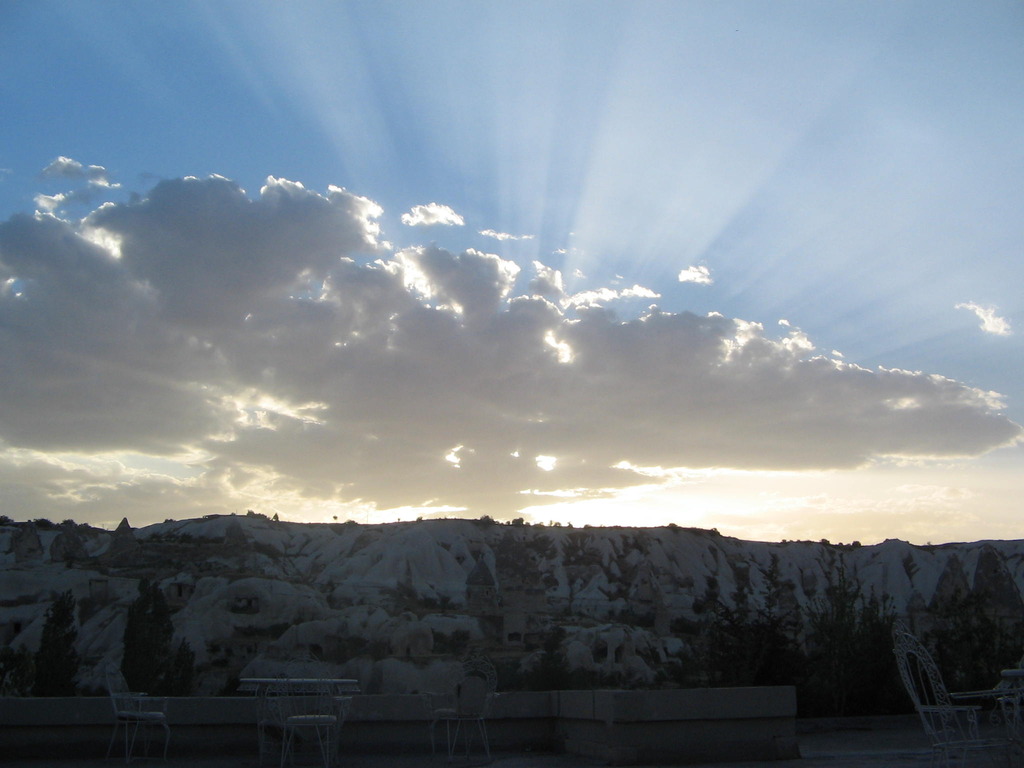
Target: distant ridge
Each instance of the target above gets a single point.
(246, 589)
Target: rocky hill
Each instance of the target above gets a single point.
(393, 604)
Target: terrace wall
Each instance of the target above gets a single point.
(618, 727)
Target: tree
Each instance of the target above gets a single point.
(147, 641)
(746, 645)
(970, 645)
(178, 679)
(851, 667)
(17, 671)
(551, 671)
(57, 661)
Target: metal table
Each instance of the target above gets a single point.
(266, 688)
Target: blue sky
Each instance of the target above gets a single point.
(822, 200)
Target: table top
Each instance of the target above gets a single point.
(1015, 672)
(333, 680)
(347, 684)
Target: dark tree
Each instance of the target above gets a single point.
(969, 643)
(178, 680)
(56, 661)
(147, 641)
(551, 672)
(851, 669)
(17, 671)
(752, 645)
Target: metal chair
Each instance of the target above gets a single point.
(952, 728)
(310, 713)
(467, 704)
(134, 711)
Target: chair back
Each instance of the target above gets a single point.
(482, 668)
(474, 692)
(306, 666)
(944, 722)
(918, 670)
(472, 697)
(121, 699)
(115, 681)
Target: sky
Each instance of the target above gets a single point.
(737, 265)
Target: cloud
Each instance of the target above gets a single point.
(604, 295)
(83, 196)
(277, 354)
(66, 168)
(472, 283)
(97, 183)
(50, 203)
(504, 235)
(214, 256)
(547, 282)
(430, 215)
(990, 321)
(699, 274)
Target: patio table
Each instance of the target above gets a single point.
(340, 689)
(259, 685)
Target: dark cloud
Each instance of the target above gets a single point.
(214, 256)
(277, 341)
(87, 364)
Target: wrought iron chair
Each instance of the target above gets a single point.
(134, 711)
(467, 704)
(952, 728)
(311, 713)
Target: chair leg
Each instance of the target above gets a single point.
(469, 739)
(129, 747)
(113, 738)
(167, 738)
(453, 739)
(324, 737)
(285, 744)
(483, 735)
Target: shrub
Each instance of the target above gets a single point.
(17, 671)
(851, 667)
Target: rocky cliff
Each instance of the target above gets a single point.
(394, 604)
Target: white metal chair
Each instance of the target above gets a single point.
(467, 704)
(952, 728)
(134, 711)
(310, 714)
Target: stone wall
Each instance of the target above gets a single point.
(618, 727)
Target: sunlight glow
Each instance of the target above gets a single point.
(258, 409)
(105, 239)
(453, 457)
(564, 351)
(547, 463)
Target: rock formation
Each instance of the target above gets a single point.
(392, 604)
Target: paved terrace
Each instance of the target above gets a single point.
(895, 742)
(720, 728)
